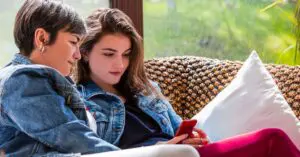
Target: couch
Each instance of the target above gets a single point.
(191, 82)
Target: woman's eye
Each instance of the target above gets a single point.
(73, 42)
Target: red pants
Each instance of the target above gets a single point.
(263, 143)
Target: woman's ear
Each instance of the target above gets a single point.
(41, 38)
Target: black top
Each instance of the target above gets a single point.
(140, 129)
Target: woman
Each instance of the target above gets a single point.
(130, 110)
(41, 112)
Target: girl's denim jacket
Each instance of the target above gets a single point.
(42, 112)
(109, 111)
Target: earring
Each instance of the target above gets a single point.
(86, 59)
(42, 48)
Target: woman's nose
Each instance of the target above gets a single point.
(77, 54)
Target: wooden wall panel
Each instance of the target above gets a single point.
(134, 9)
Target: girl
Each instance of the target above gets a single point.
(131, 112)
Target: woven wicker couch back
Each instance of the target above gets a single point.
(192, 82)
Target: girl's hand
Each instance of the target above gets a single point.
(198, 138)
(175, 140)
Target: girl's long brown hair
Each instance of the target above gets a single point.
(110, 21)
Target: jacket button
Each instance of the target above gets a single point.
(116, 110)
(164, 121)
(69, 99)
(117, 129)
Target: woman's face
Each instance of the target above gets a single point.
(109, 59)
(63, 53)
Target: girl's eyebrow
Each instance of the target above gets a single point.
(109, 49)
(114, 50)
(128, 50)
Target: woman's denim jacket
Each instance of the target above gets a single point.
(41, 112)
(109, 112)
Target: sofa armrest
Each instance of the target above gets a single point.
(152, 151)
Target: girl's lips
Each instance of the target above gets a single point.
(115, 73)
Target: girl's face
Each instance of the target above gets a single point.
(109, 59)
(62, 54)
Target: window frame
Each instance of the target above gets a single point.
(134, 9)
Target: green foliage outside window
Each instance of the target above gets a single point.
(8, 10)
(223, 29)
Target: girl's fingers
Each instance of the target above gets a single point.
(200, 132)
(196, 146)
(195, 141)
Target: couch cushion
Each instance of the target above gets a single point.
(252, 101)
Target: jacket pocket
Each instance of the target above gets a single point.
(102, 123)
(80, 113)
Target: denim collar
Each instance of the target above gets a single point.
(91, 88)
(21, 59)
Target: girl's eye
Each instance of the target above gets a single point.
(127, 54)
(108, 54)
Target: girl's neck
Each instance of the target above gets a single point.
(109, 88)
(106, 87)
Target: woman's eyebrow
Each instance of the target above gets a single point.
(77, 37)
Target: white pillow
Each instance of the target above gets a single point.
(250, 102)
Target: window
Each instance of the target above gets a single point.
(223, 29)
(8, 10)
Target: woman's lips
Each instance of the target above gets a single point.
(71, 63)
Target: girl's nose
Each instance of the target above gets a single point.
(119, 63)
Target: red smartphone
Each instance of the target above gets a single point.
(186, 127)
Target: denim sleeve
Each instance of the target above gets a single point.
(34, 107)
(174, 117)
